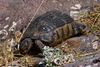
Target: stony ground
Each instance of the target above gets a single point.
(16, 14)
(21, 11)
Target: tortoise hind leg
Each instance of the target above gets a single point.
(25, 45)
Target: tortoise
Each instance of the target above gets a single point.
(50, 29)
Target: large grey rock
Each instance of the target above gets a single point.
(82, 44)
(86, 51)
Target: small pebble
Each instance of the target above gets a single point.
(6, 26)
(74, 13)
(88, 66)
(95, 45)
(7, 18)
(95, 65)
(73, 7)
(95, 0)
(78, 6)
(81, 66)
(13, 26)
(3, 34)
(60, 5)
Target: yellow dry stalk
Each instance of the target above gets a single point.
(17, 36)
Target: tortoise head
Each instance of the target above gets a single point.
(80, 28)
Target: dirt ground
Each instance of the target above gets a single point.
(16, 14)
(21, 11)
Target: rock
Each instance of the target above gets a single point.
(84, 44)
(12, 28)
(3, 34)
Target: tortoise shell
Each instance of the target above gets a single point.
(51, 28)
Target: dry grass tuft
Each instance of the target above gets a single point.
(6, 53)
(92, 19)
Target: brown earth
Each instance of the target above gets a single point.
(21, 11)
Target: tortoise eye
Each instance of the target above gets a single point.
(45, 29)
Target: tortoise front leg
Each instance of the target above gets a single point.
(40, 45)
(25, 45)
